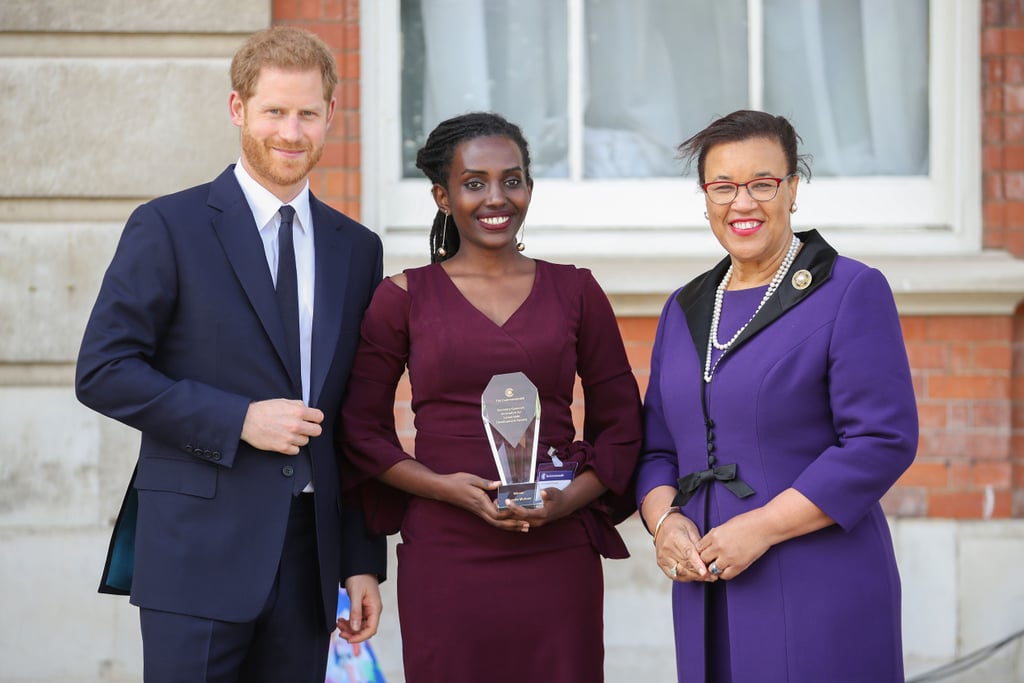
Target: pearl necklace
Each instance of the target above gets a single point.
(709, 370)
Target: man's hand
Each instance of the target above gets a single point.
(364, 611)
(281, 425)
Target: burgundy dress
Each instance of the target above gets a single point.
(477, 603)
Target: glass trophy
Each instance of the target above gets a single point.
(511, 412)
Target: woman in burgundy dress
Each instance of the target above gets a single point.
(489, 594)
(780, 409)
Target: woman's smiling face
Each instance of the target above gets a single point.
(752, 232)
(488, 194)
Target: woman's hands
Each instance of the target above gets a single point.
(735, 545)
(470, 493)
(559, 503)
(676, 550)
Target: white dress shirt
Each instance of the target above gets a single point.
(264, 206)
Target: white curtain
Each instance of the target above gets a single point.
(853, 78)
(852, 75)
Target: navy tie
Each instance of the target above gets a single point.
(288, 303)
(288, 294)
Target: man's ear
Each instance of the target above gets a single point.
(237, 107)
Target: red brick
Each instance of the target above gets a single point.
(956, 504)
(961, 475)
(960, 414)
(932, 415)
(920, 384)
(348, 66)
(1013, 157)
(1013, 241)
(969, 328)
(928, 474)
(1013, 41)
(994, 216)
(333, 9)
(968, 387)
(995, 356)
(993, 187)
(639, 356)
(309, 9)
(1018, 474)
(995, 129)
(992, 13)
(960, 358)
(995, 474)
(992, 158)
(905, 502)
(638, 329)
(1010, 129)
(992, 42)
(914, 327)
(995, 97)
(1013, 70)
(942, 445)
(351, 10)
(993, 71)
(284, 10)
(927, 355)
(991, 414)
(1013, 186)
(1009, 98)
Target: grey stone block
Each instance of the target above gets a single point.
(113, 127)
(177, 16)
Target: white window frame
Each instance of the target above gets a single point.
(660, 220)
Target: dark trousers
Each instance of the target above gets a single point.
(287, 642)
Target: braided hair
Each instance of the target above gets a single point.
(435, 160)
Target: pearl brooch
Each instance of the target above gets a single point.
(716, 314)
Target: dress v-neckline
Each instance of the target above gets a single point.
(520, 307)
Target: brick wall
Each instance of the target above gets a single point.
(968, 371)
(1002, 53)
(336, 179)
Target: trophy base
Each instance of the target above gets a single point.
(524, 495)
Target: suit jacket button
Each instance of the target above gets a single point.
(288, 470)
(207, 454)
(188, 448)
(215, 455)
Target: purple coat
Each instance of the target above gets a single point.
(815, 395)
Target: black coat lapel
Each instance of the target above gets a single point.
(697, 299)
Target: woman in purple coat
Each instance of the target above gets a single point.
(780, 409)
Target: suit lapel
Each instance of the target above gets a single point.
(333, 249)
(697, 299)
(239, 236)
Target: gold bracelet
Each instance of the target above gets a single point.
(661, 520)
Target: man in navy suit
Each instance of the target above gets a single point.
(232, 538)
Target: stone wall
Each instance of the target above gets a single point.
(107, 105)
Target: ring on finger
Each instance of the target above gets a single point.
(713, 568)
(674, 572)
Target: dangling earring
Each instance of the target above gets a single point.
(792, 209)
(519, 245)
(706, 216)
(441, 251)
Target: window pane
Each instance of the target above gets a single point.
(852, 76)
(507, 56)
(657, 72)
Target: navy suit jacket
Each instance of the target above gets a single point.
(185, 333)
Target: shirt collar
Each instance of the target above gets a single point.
(264, 205)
